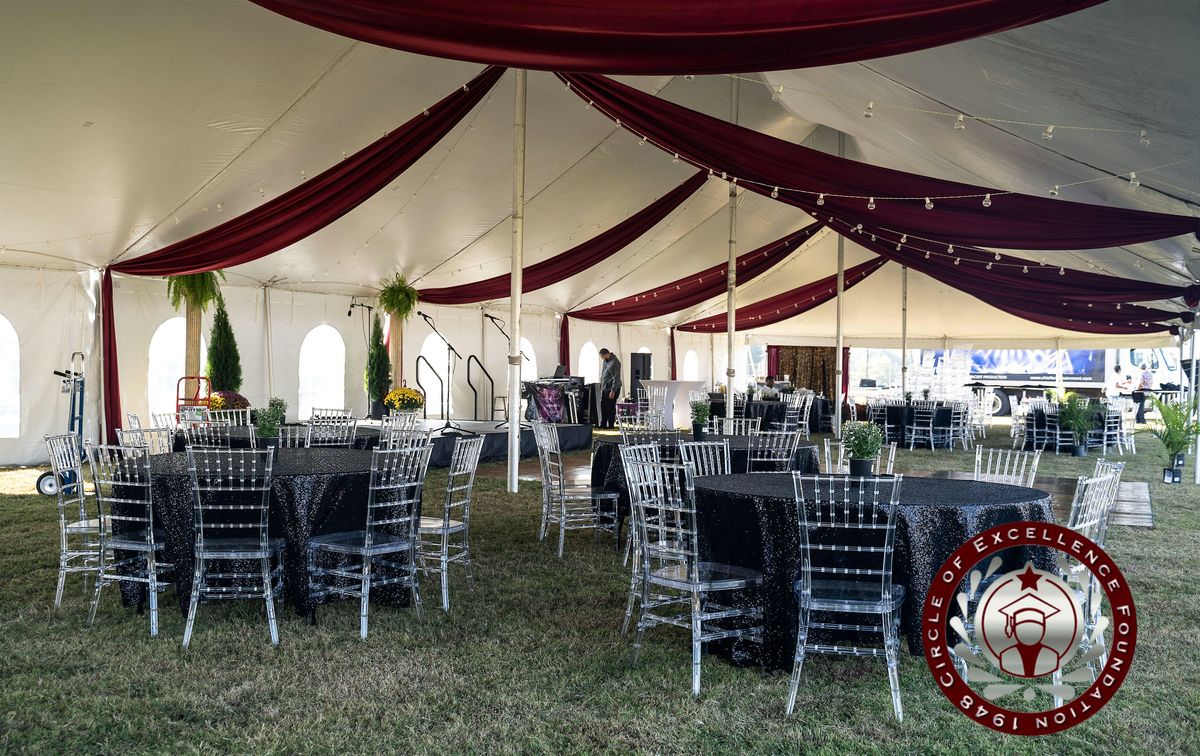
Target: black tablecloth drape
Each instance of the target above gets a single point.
(313, 492)
(750, 521)
(772, 412)
(366, 437)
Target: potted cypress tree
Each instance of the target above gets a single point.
(224, 369)
(377, 377)
(1176, 427)
(863, 441)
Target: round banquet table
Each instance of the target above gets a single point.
(365, 437)
(750, 520)
(900, 416)
(313, 492)
(608, 472)
(772, 411)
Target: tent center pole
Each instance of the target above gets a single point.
(515, 282)
(270, 342)
(731, 267)
(838, 378)
(903, 331)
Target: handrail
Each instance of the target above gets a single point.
(475, 404)
(441, 386)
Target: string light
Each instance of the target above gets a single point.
(689, 77)
(928, 204)
(1143, 139)
(997, 255)
(950, 248)
(675, 159)
(989, 266)
(987, 200)
(960, 124)
(1134, 181)
(903, 238)
(775, 193)
(1048, 134)
(1054, 191)
(871, 203)
(870, 111)
(926, 254)
(777, 94)
(821, 199)
(1062, 271)
(1024, 268)
(957, 260)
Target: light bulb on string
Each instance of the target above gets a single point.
(1134, 181)
(926, 254)
(675, 159)
(903, 238)
(1054, 191)
(858, 228)
(997, 256)
(987, 200)
(897, 247)
(777, 94)
(689, 77)
(1048, 134)
(1143, 139)
(928, 204)
(1062, 271)
(950, 248)
(775, 193)
(957, 260)
(960, 124)
(642, 142)
(871, 203)
(989, 266)
(821, 199)
(588, 106)
(1024, 268)
(870, 111)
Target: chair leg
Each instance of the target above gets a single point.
(891, 645)
(545, 518)
(95, 599)
(562, 528)
(269, 599)
(62, 580)
(416, 598)
(365, 597)
(193, 604)
(633, 589)
(697, 631)
(467, 562)
(797, 661)
(152, 586)
(445, 568)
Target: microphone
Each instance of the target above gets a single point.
(350, 312)
(492, 318)
(427, 318)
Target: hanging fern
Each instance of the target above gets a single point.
(197, 289)
(398, 297)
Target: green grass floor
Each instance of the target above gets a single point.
(532, 660)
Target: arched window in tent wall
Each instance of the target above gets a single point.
(166, 357)
(10, 380)
(434, 350)
(589, 363)
(529, 365)
(691, 366)
(322, 371)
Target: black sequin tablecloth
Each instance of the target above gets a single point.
(608, 472)
(313, 492)
(750, 520)
(772, 412)
(366, 437)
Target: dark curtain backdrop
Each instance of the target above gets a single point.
(667, 36)
(762, 163)
(575, 260)
(292, 216)
(810, 367)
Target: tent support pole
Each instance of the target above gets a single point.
(515, 282)
(1058, 367)
(270, 342)
(1192, 400)
(903, 331)
(841, 290)
(731, 267)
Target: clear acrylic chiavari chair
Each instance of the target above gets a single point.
(405, 439)
(1015, 468)
(445, 540)
(396, 421)
(210, 433)
(293, 436)
(631, 453)
(154, 440)
(921, 428)
(847, 530)
(735, 426)
(706, 457)
(677, 587)
(667, 441)
(838, 463)
(231, 491)
(130, 545)
(235, 417)
(133, 421)
(78, 531)
(329, 413)
(165, 420)
(568, 505)
(331, 431)
(386, 549)
(771, 451)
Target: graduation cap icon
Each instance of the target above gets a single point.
(1028, 607)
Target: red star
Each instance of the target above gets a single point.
(1028, 578)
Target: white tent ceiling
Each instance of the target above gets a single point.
(127, 126)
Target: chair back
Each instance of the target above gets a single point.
(706, 457)
(231, 490)
(1015, 468)
(164, 420)
(1094, 496)
(235, 417)
(397, 421)
(331, 431)
(771, 451)
(210, 433)
(667, 441)
(66, 462)
(328, 413)
(923, 413)
(656, 398)
(121, 479)
(836, 461)
(739, 403)
(890, 464)
(847, 529)
(154, 440)
(550, 459)
(736, 426)
(460, 481)
(664, 512)
(293, 436)
(396, 490)
(133, 421)
(404, 439)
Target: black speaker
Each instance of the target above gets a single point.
(639, 370)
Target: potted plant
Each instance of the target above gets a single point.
(398, 298)
(863, 441)
(908, 397)
(925, 394)
(224, 369)
(268, 419)
(195, 292)
(404, 399)
(1176, 427)
(700, 412)
(1077, 415)
(377, 376)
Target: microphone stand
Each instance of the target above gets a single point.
(496, 322)
(451, 353)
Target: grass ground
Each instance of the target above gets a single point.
(531, 661)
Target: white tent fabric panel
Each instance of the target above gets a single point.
(52, 314)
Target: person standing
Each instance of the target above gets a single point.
(610, 388)
(1145, 383)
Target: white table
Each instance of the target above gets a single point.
(679, 413)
